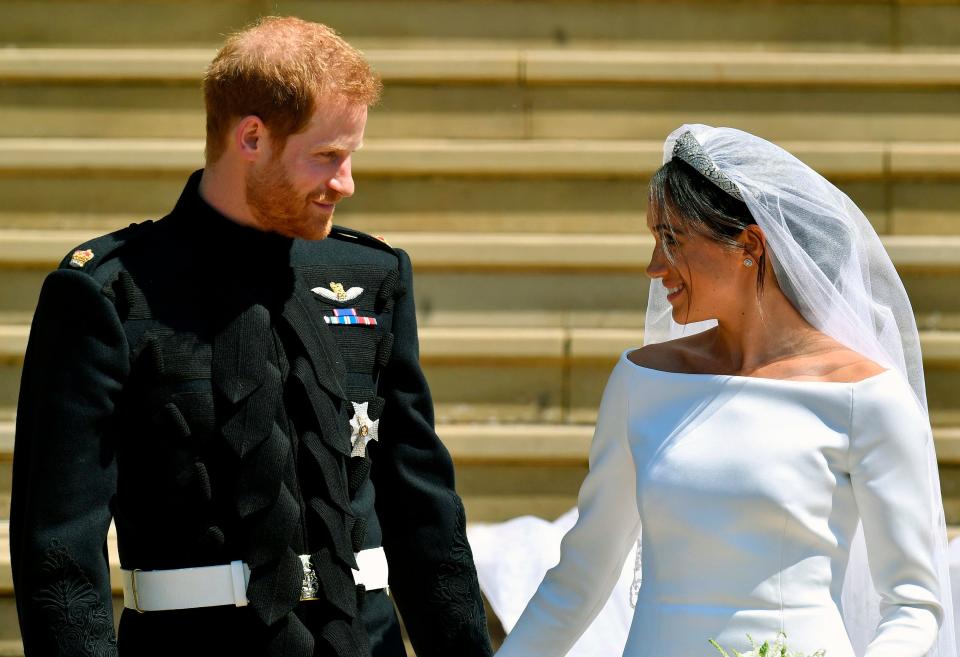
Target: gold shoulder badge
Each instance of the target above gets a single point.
(81, 257)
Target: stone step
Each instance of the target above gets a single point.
(101, 201)
(504, 471)
(505, 251)
(482, 452)
(515, 94)
(535, 374)
(582, 301)
(11, 648)
(478, 185)
(500, 109)
(588, 158)
(847, 24)
(583, 158)
(519, 66)
(520, 280)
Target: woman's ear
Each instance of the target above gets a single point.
(754, 242)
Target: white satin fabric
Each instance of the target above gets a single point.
(749, 491)
(513, 556)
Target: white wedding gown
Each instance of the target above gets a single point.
(749, 492)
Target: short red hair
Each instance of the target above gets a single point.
(279, 69)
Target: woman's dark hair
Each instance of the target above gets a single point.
(682, 196)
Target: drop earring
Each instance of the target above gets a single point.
(748, 262)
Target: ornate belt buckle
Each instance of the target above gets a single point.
(310, 589)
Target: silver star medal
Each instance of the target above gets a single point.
(362, 429)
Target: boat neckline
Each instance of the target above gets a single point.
(738, 377)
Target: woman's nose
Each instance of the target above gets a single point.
(658, 263)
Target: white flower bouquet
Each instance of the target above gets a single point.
(767, 649)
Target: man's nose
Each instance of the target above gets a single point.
(342, 181)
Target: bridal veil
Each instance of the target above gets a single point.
(831, 264)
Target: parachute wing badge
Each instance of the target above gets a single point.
(336, 292)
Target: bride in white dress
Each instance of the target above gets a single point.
(775, 445)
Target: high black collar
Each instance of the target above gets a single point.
(234, 240)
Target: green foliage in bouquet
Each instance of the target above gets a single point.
(766, 649)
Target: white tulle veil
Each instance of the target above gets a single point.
(831, 264)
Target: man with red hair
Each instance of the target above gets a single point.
(237, 386)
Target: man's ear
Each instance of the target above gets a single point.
(251, 138)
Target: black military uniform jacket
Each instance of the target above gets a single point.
(181, 378)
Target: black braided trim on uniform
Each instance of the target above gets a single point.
(171, 417)
(384, 350)
(358, 533)
(450, 618)
(246, 374)
(345, 638)
(358, 346)
(456, 589)
(131, 302)
(213, 538)
(338, 535)
(201, 481)
(324, 448)
(149, 353)
(173, 355)
(82, 625)
(388, 291)
(358, 471)
(290, 637)
(186, 355)
(688, 149)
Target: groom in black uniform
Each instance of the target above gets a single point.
(237, 386)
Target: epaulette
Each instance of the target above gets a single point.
(91, 254)
(355, 236)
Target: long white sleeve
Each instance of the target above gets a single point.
(592, 553)
(889, 462)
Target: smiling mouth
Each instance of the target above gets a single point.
(674, 292)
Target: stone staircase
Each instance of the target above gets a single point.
(509, 156)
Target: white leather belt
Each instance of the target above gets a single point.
(373, 573)
(212, 586)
